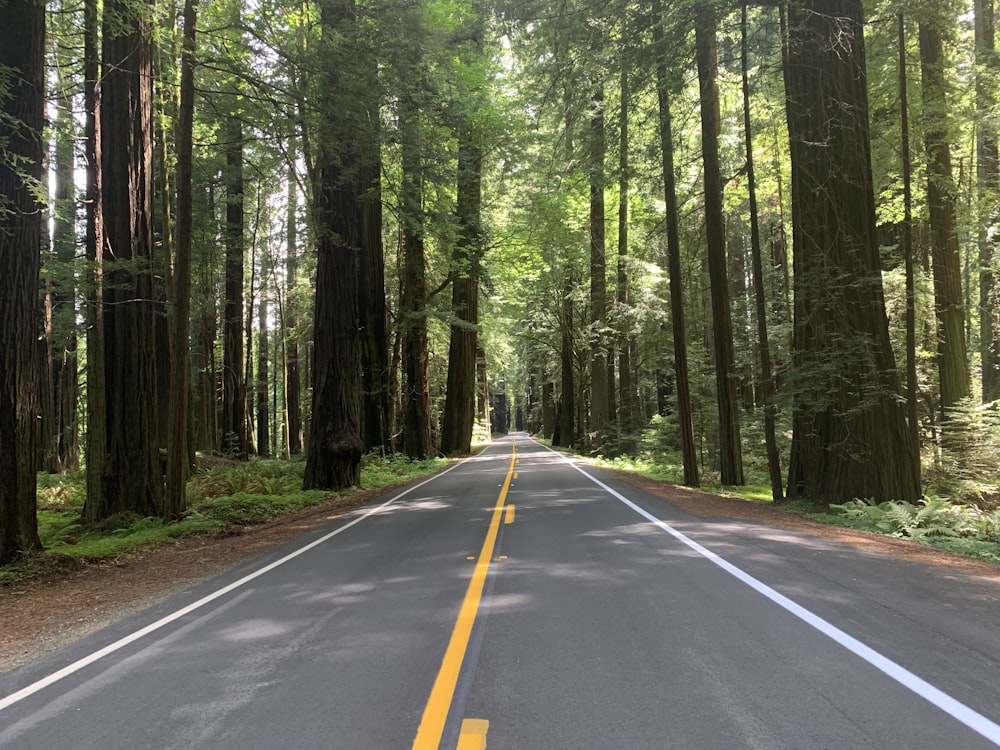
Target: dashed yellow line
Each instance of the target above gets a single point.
(509, 517)
(436, 711)
(473, 735)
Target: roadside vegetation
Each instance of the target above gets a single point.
(223, 497)
(959, 511)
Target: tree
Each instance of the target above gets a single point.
(730, 450)
(988, 174)
(665, 129)
(850, 437)
(334, 448)
(58, 404)
(766, 373)
(600, 394)
(949, 304)
(235, 439)
(460, 397)
(132, 477)
(293, 379)
(22, 96)
(417, 416)
(178, 461)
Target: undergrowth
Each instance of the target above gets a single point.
(219, 499)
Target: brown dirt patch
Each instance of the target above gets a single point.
(72, 600)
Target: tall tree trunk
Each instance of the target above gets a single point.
(263, 374)
(235, 440)
(628, 405)
(417, 420)
(850, 437)
(460, 401)
(988, 174)
(600, 405)
(565, 429)
(767, 379)
(22, 56)
(334, 447)
(58, 442)
(97, 413)
(178, 454)
(459, 416)
(293, 379)
(684, 411)
(912, 384)
(730, 450)
(372, 310)
(132, 480)
(949, 307)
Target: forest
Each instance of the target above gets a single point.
(749, 243)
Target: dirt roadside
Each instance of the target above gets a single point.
(41, 617)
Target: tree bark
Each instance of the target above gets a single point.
(460, 400)
(373, 312)
(988, 174)
(178, 454)
(850, 437)
(459, 416)
(949, 305)
(565, 429)
(417, 419)
(132, 480)
(59, 443)
(764, 347)
(684, 411)
(912, 384)
(730, 449)
(22, 52)
(335, 446)
(293, 379)
(235, 439)
(600, 406)
(628, 404)
(97, 413)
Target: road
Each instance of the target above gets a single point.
(518, 602)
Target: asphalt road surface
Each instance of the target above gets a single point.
(518, 602)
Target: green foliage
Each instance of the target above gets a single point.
(934, 517)
(968, 465)
(60, 490)
(657, 469)
(222, 497)
(385, 471)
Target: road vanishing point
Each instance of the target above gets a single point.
(519, 601)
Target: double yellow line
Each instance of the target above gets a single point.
(436, 712)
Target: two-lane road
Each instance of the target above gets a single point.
(515, 601)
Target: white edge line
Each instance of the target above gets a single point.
(10, 700)
(954, 708)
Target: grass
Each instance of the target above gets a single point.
(222, 497)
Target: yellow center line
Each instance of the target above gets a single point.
(436, 711)
(509, 518)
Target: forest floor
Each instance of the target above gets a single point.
(71, 600)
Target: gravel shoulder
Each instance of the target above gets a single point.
(73, 601)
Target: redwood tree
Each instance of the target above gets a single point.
(730, 450)
(949, 304)
(850, 437)
(334, 448)
(684, 411)
(22, 100)
(132, 479)
(460, 399)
